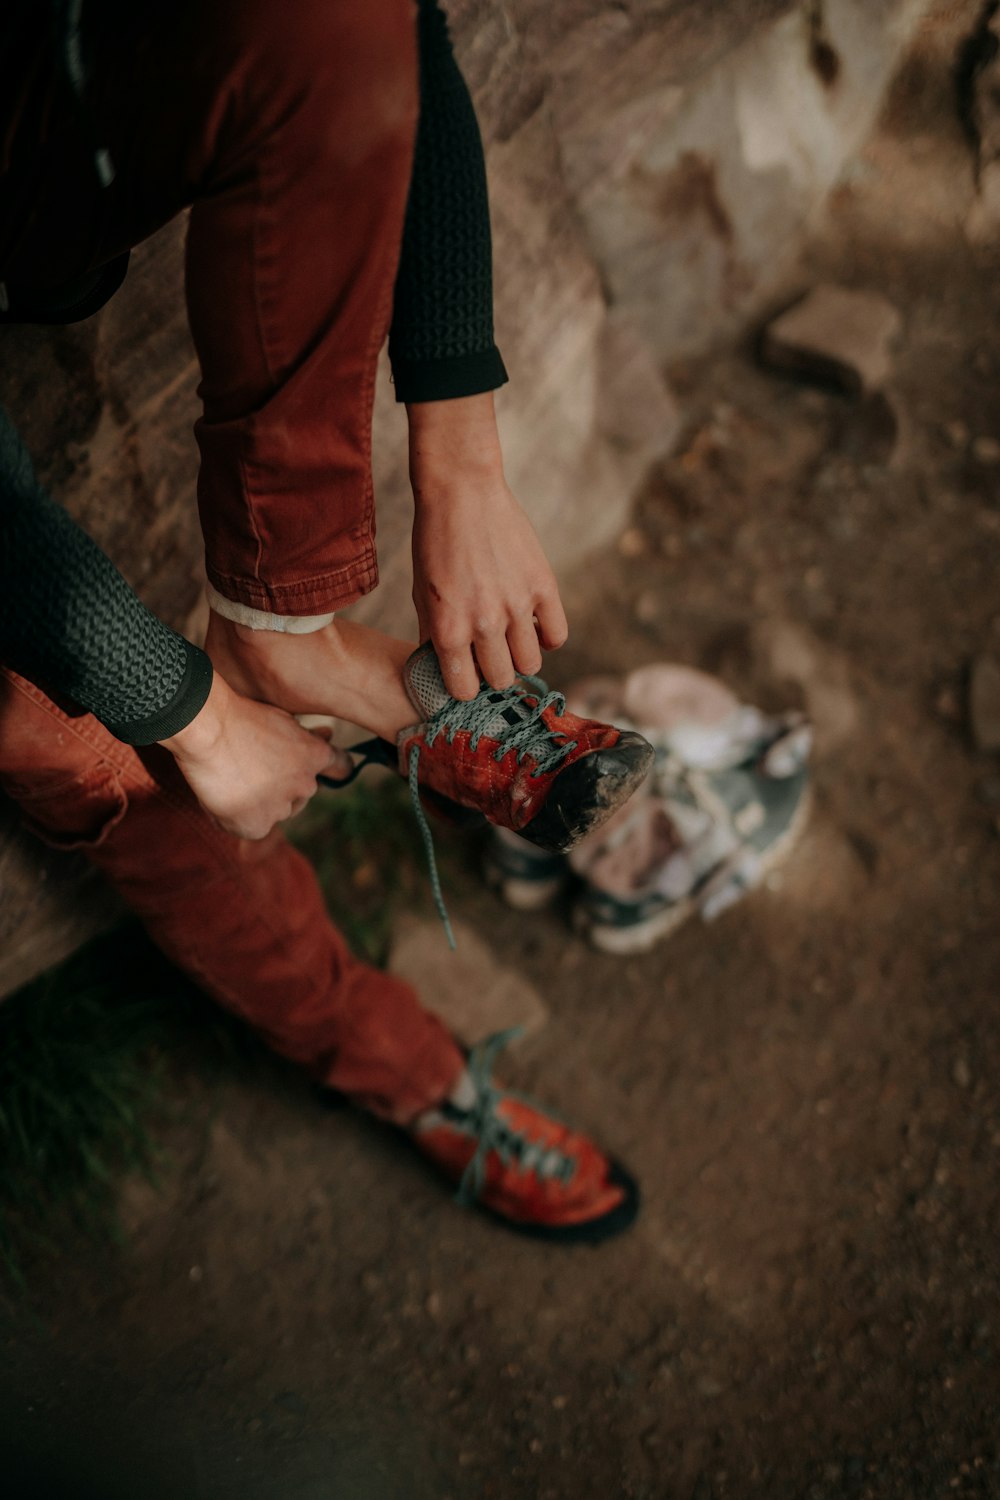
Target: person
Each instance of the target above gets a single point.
(330, 158)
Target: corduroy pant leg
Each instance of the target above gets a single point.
(288, 131)
(245, 920)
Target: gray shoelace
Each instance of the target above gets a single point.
(494, 1134)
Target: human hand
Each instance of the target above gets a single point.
(483, 589)
(251, 765)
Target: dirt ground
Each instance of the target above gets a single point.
(809, 1305)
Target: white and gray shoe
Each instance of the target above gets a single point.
(726, 797)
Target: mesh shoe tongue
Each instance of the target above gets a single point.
(425, 685)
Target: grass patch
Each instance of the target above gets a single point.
(86, 1050)
(83, 1062)
(365, 845)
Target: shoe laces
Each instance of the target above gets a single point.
(514, 1147)
(501, 714)
(505, 716)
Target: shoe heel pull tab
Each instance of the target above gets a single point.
(375, 752)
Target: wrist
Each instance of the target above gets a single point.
(202, 736)
(453, 444)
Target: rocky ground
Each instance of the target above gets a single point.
(809, 1305)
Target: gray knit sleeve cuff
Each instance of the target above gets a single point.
(187, 702)
(446, 379)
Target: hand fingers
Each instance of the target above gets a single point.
(522, 639)
(251, 828)
(493, 656)
(324, 756)
(553, 630)
(461, 677)
(338, 765)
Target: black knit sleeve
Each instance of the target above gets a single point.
(441, 340)
(70, 622)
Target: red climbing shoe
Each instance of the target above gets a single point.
(510, 1158)
(517, 757)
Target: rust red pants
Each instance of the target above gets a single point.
(288, 129)
(245, 920)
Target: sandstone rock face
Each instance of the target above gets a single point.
(981, 77)
(653, 166)
(695, 140)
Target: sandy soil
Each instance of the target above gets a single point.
(809, 1306)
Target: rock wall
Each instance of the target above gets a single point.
(654, 165)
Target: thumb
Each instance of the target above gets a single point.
(329, 759)
(338, 764)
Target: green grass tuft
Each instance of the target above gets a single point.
(365, 845)
(85, 1051)
(82, 1063)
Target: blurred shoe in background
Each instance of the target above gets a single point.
(726, 796)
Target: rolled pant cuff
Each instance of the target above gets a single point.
(425, 1078)
(323, 594)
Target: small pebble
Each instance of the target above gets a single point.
(956, 433)
(961, 1073)
(986, 450)
(632, 543)
(647, 607)
(432, 1305)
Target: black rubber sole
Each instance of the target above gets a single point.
(594, 1231)
(581, 798)
(586, 794)
(591, 1233)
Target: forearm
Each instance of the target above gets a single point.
(441, 341)
(453, 442)
(70, 622)
(483, 591)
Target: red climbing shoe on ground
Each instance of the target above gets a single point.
(521, 1164)
(517, 756)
